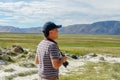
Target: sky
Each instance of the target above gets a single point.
(34, 13)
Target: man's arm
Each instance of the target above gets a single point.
(58, 62)
(36, 59)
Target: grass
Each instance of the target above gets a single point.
(10, 77)
(73, 44)
(27, 64)
(64, 40)
(21, 74)
(89, 40)
(93, 71)
(27, 73)
(9, 70)
(85, 50)
(9, 39)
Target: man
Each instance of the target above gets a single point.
(48, 54)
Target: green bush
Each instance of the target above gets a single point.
(27, 64)
(10, 59)
(11, 53)
(25, 52)
(0, 57)
(9, 70)
(30, 56)
(27, 73)
(21, 56)
(10, 77)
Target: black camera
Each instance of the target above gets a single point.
(65, 64)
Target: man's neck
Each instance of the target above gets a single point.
(51, 40)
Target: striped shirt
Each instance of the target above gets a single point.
(46, 51)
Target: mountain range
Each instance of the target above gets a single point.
(101, 27)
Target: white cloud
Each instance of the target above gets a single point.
(105, 6)
(65, 12)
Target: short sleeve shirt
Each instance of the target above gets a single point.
(46, 51)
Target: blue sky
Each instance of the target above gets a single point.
(34, 13)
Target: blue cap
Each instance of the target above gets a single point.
(49, 26)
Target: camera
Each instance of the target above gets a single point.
(65, 64)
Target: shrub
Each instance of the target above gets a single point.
(0, 57)
(27, 64)
(9, 70)
(21, 56)
(10, 59)
(27, 73)
(30, 56)
(11, 53)
(25, 52)
(10, 77)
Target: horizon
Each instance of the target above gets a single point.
(34, 13)
(62, 26)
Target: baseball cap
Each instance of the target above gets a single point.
(49, 26)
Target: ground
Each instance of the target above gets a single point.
(74, 64)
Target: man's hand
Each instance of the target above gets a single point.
(65, 63)
(64, 58)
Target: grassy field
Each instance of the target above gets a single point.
(26, 40)
(70, 43)
(75, 44)
(95, 71)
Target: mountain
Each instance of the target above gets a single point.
(101, 27)
(12, 29)
(32, 30)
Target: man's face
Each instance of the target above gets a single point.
(54, 33)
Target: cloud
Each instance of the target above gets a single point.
(65, 12)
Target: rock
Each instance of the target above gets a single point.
(5, 56)
(30, 55)
(74, 57)
(102, 58)
(93, 55)
(1, 51)
(8, 51)
(17, 49)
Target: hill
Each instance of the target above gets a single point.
(12, 29)
(102, 27)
